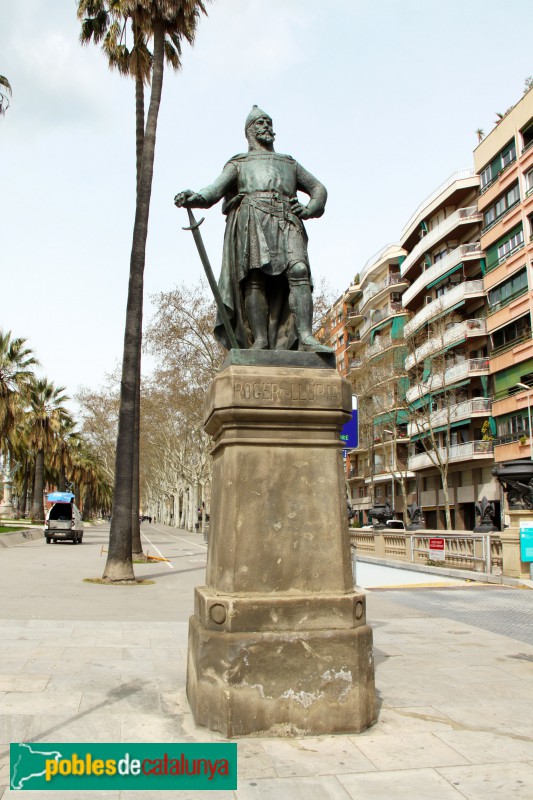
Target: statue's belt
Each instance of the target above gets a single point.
(271, 202)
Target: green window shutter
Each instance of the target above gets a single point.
(427, 369)
(398, 324)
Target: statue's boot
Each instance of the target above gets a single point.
(301, 304)
(255, 303)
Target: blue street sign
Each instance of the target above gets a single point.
(526, 540)
(350, 431)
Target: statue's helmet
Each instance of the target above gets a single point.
(254, 114)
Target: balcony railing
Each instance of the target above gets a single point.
(443, 303)
(453, 413)
(464, 251)
(379, 345)
(376, 258)
(381, 314)
(457, 176)
(455, 452)
(451, 375)
(460, 331)
(469, 214)
(504, 348)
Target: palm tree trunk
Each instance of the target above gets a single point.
(24, 493)
(37, 511)
(119, 565)
(136, 545)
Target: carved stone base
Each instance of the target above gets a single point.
(513, 566)
(292, 666)
(278, 644)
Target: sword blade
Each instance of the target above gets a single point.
(197, 236)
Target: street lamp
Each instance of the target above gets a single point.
(527, 388)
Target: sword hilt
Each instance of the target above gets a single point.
(193, 222)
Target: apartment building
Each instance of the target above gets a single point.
(375, 319)
(447, 353)
(504, 164)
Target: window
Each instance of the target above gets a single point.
(486, 176)
(501, 206)
(513, 425)
(529, 181)
(499, 163)
(508, 155)
(527, 136)
(516, 330)
(510, 245)
(508, 290)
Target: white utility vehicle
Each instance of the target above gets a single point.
(63, 521)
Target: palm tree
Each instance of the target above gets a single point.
(168, 22)
(4, 102)
(45, 415)
(64, 442)
(16, 375)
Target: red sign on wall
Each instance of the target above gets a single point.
(436, 549)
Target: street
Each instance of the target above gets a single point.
(83, 662)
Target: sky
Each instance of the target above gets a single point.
(380, 100)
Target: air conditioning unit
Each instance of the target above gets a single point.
(428, 299)
(395, 297)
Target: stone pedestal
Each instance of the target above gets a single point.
(278, 644)
(513, 567)
(6, 506)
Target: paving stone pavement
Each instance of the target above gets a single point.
(497, 609)
(454, 698)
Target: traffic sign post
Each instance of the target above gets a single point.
(436, 549)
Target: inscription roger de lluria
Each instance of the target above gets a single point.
(283, 391)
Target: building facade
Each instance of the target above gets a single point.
(504, 163)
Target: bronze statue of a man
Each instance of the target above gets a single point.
(265, 280)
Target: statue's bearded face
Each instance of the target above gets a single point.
(262, 130)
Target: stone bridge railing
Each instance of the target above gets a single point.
(481, 552)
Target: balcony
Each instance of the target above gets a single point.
(458, 333)
(353, 340)
(455, 452)
(380, 345)
(462, 216)
(389, 251)
(462, 253)
(459, 372)
(354, 365)
(380, 314)
(461, 175)
(374, 289)
(444, 303)
(476, 407)
(353, 317)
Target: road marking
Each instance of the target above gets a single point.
(187, 541)
(171, 566)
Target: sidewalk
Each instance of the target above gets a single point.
(454, 701)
